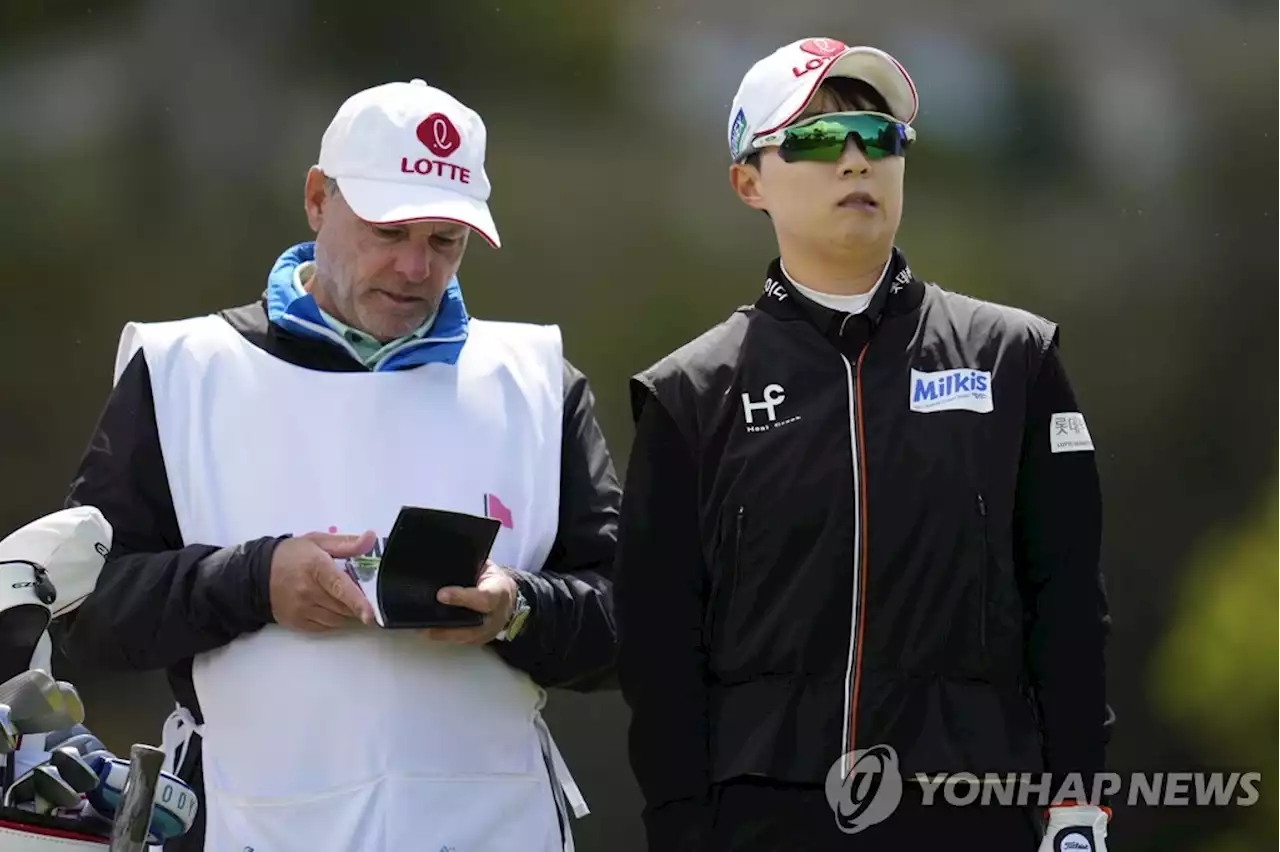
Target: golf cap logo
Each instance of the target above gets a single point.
(438, 133)
(869, 793)
(823, 47)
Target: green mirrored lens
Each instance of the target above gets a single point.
(824, 138)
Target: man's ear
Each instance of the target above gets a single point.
(745, 180)
(315, 196)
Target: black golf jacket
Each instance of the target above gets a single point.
(843, 530)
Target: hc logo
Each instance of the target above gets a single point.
(774, 395)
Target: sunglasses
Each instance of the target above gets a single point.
(822, 138)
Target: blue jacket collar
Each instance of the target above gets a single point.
(298, 313)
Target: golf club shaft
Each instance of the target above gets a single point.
(133, 818)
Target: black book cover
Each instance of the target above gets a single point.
(427, 550)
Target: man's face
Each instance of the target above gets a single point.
(383, 280)
(849, 204)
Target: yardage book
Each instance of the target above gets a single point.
(426, 550)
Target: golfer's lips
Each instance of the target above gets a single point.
(858, 199)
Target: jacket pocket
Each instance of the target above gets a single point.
(724, 587)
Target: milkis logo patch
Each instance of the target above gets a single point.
(951, 390)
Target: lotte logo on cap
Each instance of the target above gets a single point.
(438, 133)
(442, 138)
(823, 47)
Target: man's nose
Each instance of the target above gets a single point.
(413, 262)
(853, 160)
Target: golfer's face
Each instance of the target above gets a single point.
(386, 280)
(854, 201)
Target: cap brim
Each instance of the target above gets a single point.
(872, 65)
(389, 203)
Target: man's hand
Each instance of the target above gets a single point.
(308, 591)
(494, 594)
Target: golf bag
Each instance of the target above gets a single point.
(47, 568)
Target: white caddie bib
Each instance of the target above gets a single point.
(363, 740)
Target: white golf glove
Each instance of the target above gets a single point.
(1076, 828)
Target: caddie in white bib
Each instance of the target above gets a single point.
(356, 387)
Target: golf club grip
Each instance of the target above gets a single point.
(133, 818)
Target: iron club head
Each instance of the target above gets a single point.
(70, 714)
(73, 769)
(31, 695)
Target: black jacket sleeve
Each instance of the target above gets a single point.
(1057, 535)
(158, 600)
(662, 661)
(570, 640)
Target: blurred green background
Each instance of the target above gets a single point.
(1107, 165)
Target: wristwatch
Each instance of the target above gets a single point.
(519, 615)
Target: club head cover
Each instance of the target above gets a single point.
(23, 617)
(174, 808)
(47, 568)
(70, 545)
(82, 740)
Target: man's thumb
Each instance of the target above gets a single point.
(343, 546)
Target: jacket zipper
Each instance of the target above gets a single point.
(737, 557)
(982, 576)
(719, 610)
(853, 671)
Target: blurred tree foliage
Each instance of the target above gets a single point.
(562, 46)
(1215, 674)
(20, 19)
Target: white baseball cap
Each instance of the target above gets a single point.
(780, 86)
(404, 152)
